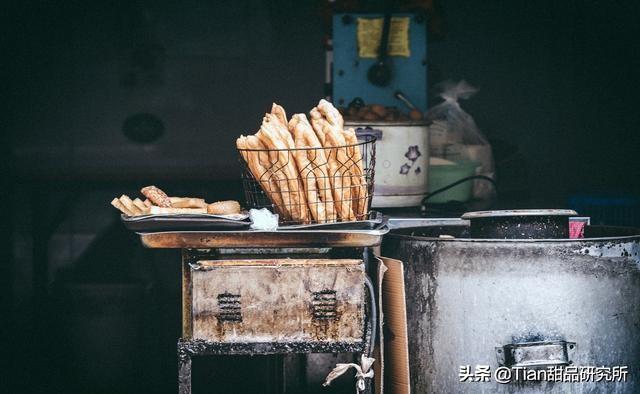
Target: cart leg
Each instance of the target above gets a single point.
(184, 374)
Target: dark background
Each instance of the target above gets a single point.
(558, 86)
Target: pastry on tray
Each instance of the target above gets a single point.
(158, 203)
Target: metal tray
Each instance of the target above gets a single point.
(376, 220)
(263, 239)
(179, 222)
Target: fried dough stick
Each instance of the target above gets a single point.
(358, 180)
(331, 114)
(318, 122)
(325, 115)
(328, 125)
(333, 119)
(259, 165)
(339, 174)
(279, 112)
(279, 118)
(313, 167)
(271, 134)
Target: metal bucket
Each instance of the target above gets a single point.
(477, 308)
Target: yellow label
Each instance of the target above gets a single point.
(370, 35)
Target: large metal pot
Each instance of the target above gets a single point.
(519, 303)
(402, 161)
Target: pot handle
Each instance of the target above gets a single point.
(536, 354)
(368, 131)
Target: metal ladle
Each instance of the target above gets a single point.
(379, 73)
(400, 96)
(414, 112)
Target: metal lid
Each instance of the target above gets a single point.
(519, 212)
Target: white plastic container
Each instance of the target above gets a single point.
(402, 161)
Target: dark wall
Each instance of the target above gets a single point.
(559, 80)
(556, 79)
(207, 70)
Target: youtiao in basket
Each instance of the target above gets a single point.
(306, 172)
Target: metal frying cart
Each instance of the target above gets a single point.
(273, 292)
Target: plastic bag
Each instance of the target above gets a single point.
(456, 137)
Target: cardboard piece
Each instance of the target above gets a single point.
(392, 353)
(378, 352)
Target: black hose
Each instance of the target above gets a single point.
(373, 318)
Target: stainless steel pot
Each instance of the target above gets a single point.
(402, 161)
(519, 303)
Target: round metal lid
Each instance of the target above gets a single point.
(519, 212)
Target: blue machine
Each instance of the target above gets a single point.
(349, 73)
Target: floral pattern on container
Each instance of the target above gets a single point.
(413, 153)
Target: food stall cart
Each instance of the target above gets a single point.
(273, 292)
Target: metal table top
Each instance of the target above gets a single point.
(263, 239)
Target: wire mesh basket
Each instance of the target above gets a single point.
(311, 185)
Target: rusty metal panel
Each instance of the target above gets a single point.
(278, 300)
